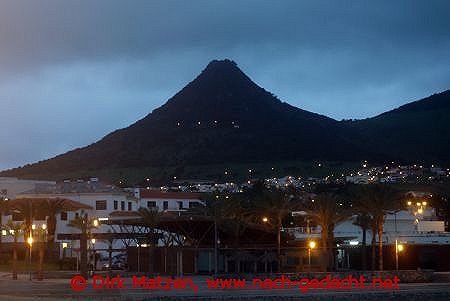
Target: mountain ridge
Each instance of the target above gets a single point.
(223, 116)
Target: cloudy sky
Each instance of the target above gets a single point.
(72, 71)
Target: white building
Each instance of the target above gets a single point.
(102, 200)
(168, 201)
(403, 226)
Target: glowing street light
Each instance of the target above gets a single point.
(311, 245)
(95, 223)
(398, 248)
(265, 219)
(30, 244)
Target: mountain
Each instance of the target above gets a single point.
(415, 132)
(222, 119)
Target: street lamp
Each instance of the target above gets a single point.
(265, 219)
(30, 244)
(311, 245)
(398, 248)
(93, 255)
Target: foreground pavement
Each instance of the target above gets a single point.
(60, 289)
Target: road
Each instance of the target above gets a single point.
(60, 289)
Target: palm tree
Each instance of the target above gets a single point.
(441, 201)
(25, 208)
(377, 200)
(4, 208)
(238, 216)
(274, 205)
(52, 207)
(150, 218)
(363, 220)
(215, 207)
(327, 211)
(14, 229)
(84, 224)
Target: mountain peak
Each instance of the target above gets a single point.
(222, 90)
(221, 64)
(225, 69)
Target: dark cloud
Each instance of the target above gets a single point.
(71, 71)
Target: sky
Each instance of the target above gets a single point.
(73, 71)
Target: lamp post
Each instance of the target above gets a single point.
(398, 248)
(311, 245)
(138, 257)
(93, 255)
(64, 247)
(42, 231)
(30, 244)
(216, 239)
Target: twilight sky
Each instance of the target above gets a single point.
(72, 71)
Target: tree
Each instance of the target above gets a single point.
(215, 207)
(238, 216)
(150, 219)
(327, 210)
(232, 213)
(363, 220)
(14, 230)
(441, 201)
(274, 205)
(84, 224)
(377, 200)
(4, 208)
(52, 207)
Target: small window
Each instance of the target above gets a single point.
(116, 205)
(193, 204)
(165, 205)
(122, 205)
(130, 206)
(151, 204)
(63, 215)
(100, 205)
(180, 205)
